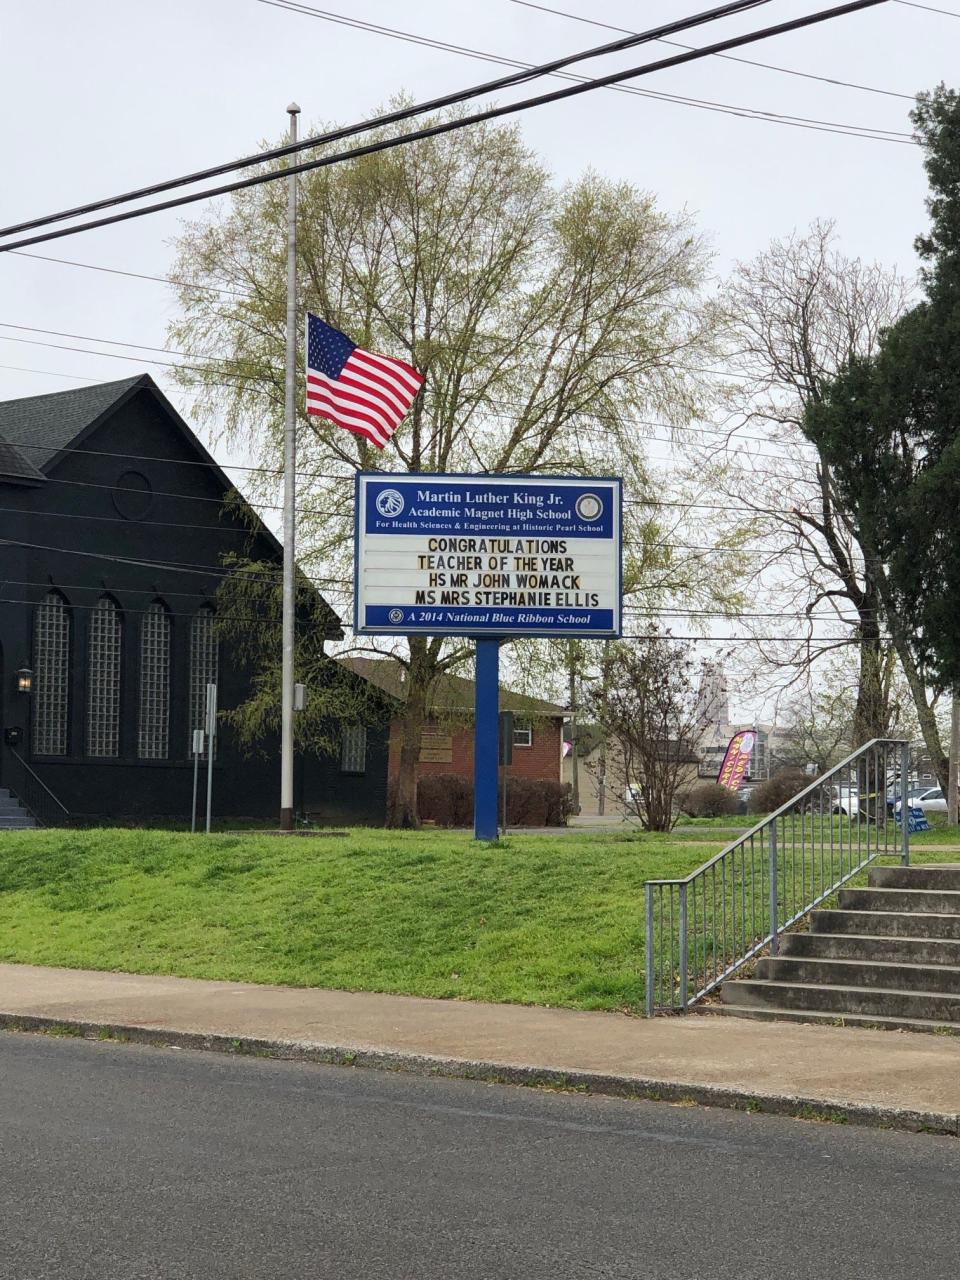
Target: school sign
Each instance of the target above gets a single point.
(488, 555)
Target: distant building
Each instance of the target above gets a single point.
(447, 740)
(716, 729)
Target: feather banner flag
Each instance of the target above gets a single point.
(737, 757)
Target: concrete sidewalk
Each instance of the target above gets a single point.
(905, 1080)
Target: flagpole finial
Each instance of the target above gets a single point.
(293, 109)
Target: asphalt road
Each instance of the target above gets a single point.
(124, 1163)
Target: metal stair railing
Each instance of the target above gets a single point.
(700, 930)
(37, 798)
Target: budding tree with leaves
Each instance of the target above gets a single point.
(550, 323)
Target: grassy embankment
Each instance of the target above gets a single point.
(555, 920)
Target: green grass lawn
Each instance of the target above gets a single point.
(537, 919)
(554, 920)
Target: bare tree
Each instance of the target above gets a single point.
(646, 708)
(800, 311)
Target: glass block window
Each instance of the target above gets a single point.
(104, 645)
(522, 733)
(154, 721)
(353, 749)
(51, 666)
(204, 669)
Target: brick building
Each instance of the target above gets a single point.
(447, 744)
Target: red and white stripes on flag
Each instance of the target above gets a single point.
(359, 391)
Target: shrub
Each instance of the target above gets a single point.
(447, 800)
(537, 802)
(710, 800)
(783, 786)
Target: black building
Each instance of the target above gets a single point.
(113, 526)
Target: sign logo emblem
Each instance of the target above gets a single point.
(589, 506)
(395, 615)
(390, 503)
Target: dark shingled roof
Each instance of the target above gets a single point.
(15, 466)
(452, 694)
(39, 427)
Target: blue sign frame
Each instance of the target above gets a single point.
(499, 513)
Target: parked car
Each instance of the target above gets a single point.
(927, 799)
(846, 800)
(914, 791)
(930, 801)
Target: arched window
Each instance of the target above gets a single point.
(154, 722)
(51, 665)
(104, 646)
(204, 667)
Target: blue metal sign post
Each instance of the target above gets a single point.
(486, 741)
(487, 557)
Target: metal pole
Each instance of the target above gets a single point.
(953, 773)
(683, 947)
(486, 741)
(289, 501)
(649, 993)
(774, 929)
(211, 746)
(904, 813)
(196, 780)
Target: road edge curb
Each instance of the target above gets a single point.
(600, 1084)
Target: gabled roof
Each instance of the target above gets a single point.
(452, 694)
(41, 427)
(14, 466)
(36, 430)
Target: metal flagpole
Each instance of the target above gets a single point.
(289, 500)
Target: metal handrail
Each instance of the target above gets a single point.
(702, 935)
(40, 782)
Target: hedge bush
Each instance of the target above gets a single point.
(710, 800)
(447, 800)
(783, 786)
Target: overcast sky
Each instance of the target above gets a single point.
(102, 97)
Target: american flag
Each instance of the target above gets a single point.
(356, 389)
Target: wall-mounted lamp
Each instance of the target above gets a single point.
(24, 680)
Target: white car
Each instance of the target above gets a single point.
(930, 801)
(846, 800)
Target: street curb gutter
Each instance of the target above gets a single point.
(590, 1082)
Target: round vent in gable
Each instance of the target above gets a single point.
(133, 495)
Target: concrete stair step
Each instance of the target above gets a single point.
(770, 1013)
(934, 877)
(875, 975)
(852, 946)
(936, 1006)
(11, 807)
(940, 901)
(898, 924)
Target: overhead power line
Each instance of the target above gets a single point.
(727, 57)
(912, 4)
(136, 275)
(395, 116)
(447, 126)
(726, 108)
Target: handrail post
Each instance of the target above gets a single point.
(683, 948)
(772, 877)
(649, 956)
(904, 815)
